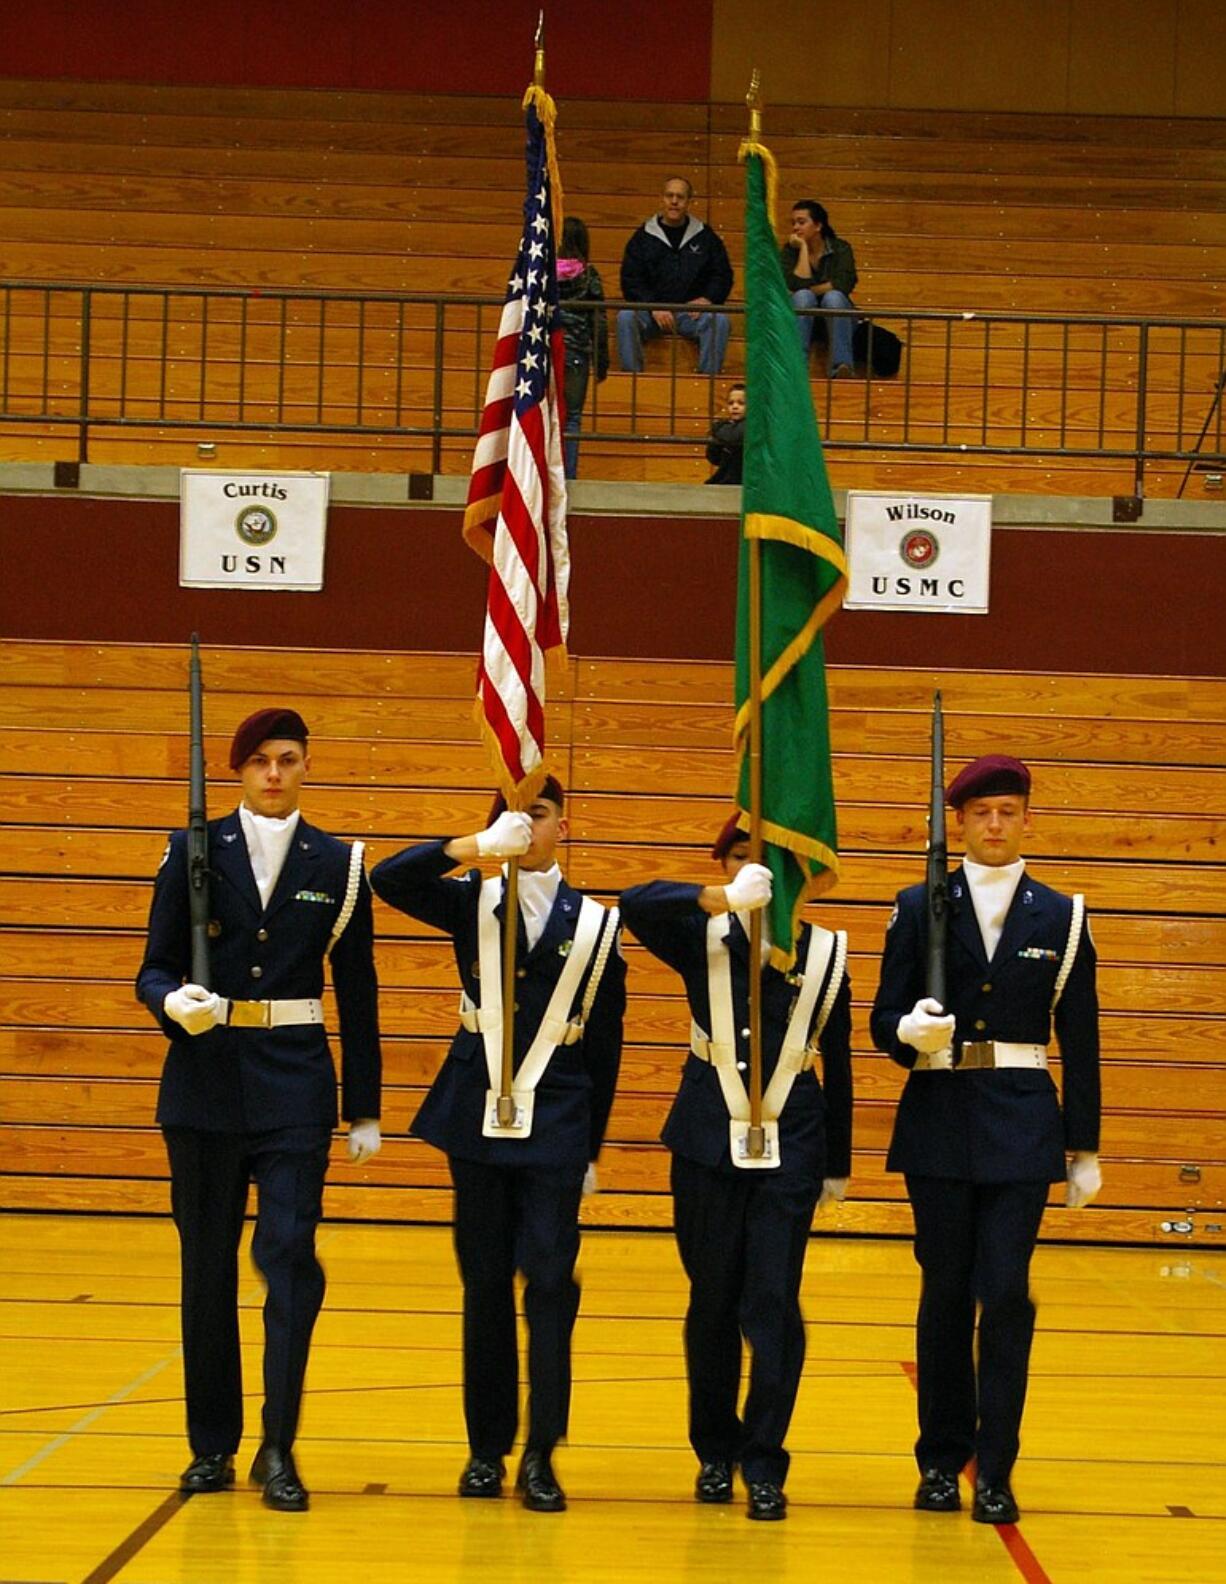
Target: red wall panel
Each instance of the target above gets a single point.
(1062, 599)
(637, 49)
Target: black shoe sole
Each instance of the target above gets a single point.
(280, 1506)
(713, 1499)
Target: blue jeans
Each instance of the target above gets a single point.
(709, 330)
(575, 390)
(838, 330)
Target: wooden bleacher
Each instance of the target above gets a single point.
(1130, 807)
(374, 192)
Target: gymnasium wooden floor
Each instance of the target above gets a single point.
(1123, 1474)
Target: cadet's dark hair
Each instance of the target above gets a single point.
(575, 242)
(817, 214)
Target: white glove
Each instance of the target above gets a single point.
(1085, 1180)
(509, 836)
(750, 887)
(365, 1139)
(834, 1191)
(926, 1028)
(591, 1184)
(195, 1008)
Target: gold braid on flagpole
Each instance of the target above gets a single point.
(548, 113)
(753, 144)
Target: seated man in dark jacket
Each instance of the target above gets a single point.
(674, 258)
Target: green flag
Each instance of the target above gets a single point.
(788, 507)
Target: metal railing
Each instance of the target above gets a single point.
(96, 359)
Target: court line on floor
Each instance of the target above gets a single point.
(82, 1424)
(54, 1445)
(1010, 1536)
(140, 1537)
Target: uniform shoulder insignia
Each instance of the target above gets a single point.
(893, 918)
(165, 854)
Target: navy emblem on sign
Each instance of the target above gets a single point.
(255, 525)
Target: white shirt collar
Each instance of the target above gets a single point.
(268, 840)
(992, 888)
(538, 890)
(745, 917)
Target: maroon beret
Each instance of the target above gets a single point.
(264, 726)
(992, 776)
(731, 832)
(551, 788)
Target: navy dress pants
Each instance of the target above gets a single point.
(510, 1218)
(210, 1176)
(973, 1242)
(742, 1237)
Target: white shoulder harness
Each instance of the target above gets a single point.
(594, 936)
(799, 1049)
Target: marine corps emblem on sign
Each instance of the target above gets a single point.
(919, 548)
(255, 525)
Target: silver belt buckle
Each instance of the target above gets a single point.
(978, 1053)
(250, 1014)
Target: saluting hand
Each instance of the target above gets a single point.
(749, 888)
(509, 836)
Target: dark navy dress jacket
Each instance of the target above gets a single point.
(253, 1079)
(815, 1127)
(575, 1093)
(1002, 1124)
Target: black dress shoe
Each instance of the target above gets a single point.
(714, 1482)
(275, 1471)
(994, 1503)
(938, 1491)
(482, 1477)
(538, 1484)
(767, 1501)
(212, 1472)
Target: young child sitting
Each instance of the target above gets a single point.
(727, 443)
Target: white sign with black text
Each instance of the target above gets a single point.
(252, 530)
(918, 552)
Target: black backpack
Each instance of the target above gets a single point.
(880, 348)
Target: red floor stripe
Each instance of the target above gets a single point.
(1027, 1564)
(1011, 1537)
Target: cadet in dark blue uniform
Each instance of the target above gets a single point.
(248, 1090)
(981, 1131)
(517, 1190)
(742, 1230)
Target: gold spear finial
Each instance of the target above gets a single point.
(754, 100)
(538, 69)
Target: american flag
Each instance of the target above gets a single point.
(516, 513)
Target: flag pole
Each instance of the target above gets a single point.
(756, 1139)
(510, 896)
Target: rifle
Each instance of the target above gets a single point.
(197, 827)
(938, 863)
